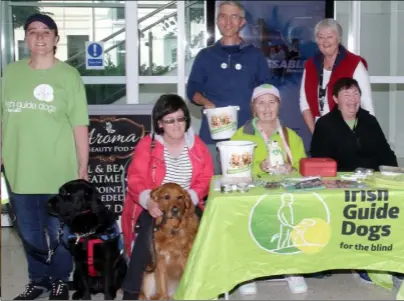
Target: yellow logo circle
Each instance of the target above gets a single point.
(311, 235)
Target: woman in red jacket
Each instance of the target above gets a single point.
(157, 159)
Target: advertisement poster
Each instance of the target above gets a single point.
(112, 141)
(284, 31)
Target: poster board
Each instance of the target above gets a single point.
(284, 31)
(113, 135)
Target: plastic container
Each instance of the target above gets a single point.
(391, 170)
(322, 167)
(222, 122)
(236, 158)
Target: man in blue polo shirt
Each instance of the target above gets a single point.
(227, 72)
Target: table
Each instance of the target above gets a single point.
(274, 232)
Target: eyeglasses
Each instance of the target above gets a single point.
(173, 120)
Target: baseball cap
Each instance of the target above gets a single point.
(44, 19)
(265, 89)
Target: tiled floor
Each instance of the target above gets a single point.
(337, 287)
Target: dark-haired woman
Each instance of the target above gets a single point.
(349, 134)
(157, 160)
(44, 120)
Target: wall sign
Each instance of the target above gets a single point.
(95, 55)
(112, 142)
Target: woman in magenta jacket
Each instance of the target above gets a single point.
(157, 160)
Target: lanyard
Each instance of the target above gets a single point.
(355, 125)
(357, 140)
(321, 91)
(264, 136)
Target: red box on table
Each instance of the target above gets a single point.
(323, 167)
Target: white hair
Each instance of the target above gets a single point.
(233, 3)
(328, 23)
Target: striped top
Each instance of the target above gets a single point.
(179, 169)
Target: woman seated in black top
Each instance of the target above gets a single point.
(349, 134)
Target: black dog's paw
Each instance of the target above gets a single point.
(80, 296)
(77, 295)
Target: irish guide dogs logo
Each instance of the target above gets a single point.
(44, 92)
(290, 223)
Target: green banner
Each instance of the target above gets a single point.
(263, 233)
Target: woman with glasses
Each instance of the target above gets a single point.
(158, 158)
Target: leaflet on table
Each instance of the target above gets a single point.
(267, 184)
(306, 184)
(336, 184)
(292, 184)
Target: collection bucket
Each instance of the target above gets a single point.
(222, 121)
(236, 158)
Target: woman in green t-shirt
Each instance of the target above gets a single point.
(45, 144)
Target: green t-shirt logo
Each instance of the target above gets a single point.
(44, 93)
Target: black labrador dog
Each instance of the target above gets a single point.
(94, 242)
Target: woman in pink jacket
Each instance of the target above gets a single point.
(157, 159)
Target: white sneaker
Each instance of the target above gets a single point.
(248, 289)
(297, 284)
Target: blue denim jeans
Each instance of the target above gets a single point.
(32, 220)
(214, 152)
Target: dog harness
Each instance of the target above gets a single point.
(90, 240)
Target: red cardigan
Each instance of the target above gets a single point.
(345, 66)
(147, 171)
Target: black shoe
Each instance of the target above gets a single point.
(130, 296)
(59, 291)
(32, 291)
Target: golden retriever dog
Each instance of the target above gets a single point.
(174, 235)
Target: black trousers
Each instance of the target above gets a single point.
(140, 256)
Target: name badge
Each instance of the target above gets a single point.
(275, 154)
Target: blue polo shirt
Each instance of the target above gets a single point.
(227, 75)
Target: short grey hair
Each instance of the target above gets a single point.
(233, 3)
(328, 23)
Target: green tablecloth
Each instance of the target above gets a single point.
(275, 232)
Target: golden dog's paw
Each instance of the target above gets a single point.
(160, 297)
